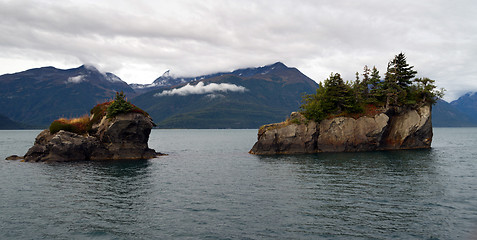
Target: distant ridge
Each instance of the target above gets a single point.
(36, 97)
(167, 80)
(467, 104)
(271, 92)
(7, 123)
(40, 95)
(445, 114)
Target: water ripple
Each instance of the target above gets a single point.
(210, 188)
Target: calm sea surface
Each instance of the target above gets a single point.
(209, 187)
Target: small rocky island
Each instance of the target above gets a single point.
(115, 130)
(391, 130)
(365, 115)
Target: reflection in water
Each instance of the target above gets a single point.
(209, 187)
(377, 164)
(365, 193)
(104, 196)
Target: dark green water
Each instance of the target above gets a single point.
(209, 187)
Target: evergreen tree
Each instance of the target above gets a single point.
(313, 107)
(389, 88)
(426, 90)
(119, 105)
(358, 88)
(375, 78)
(400, 72)
(366, 72)
(365, 84)
(337, 94)
(335, 97)
(397, 81)
(376, 92)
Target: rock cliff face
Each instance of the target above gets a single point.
(122, 137)
(393, 129)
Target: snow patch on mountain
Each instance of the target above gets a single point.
(113, 78)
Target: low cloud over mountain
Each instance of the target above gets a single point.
(201, 88)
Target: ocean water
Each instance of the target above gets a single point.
(209, 187)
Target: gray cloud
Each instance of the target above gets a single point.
(139, 40)
(201, 88)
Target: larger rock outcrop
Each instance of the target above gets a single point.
(122, 137)
(392, 129)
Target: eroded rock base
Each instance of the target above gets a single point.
(393, 129)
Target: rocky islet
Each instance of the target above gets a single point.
(392, 129)
(115, 130)
(126, 135)
(123, 137)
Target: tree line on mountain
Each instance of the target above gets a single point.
(399, 88)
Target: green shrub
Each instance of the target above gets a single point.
(57, 125)
(118, 106)
(76, 125)
(295, 121)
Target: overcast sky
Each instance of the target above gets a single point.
(139, 40)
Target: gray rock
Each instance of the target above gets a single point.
(123, 137)
(14, 157)
(345, 134)
(394, 129)
(60, 147)
(297, 135)
(410, 129)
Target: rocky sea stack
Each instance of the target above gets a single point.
(389, 130)
(368, 114)
(115, 130)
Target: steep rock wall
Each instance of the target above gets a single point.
(394, 129)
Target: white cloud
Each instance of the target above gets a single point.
(139, 40)
(201, 88)
(213, 96)
(76, 79)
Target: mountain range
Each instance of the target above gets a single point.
(244, 98)
(445, 114)
(38, 96)
(7, 123)
(467, 104)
